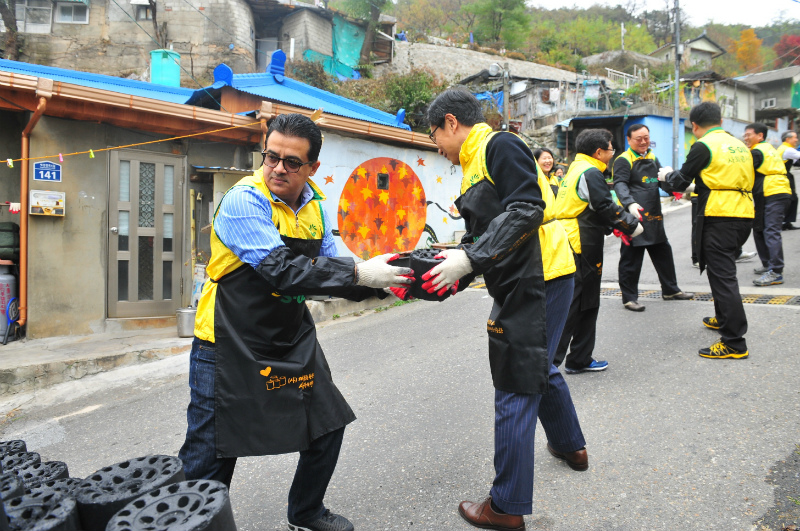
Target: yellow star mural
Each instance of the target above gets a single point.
(401, 173)
(383, 228)
(384, 197)
(401, 214)
(363, 231)
(444, 220)
(366, 192)
(398, 243)
(417, 191)
(439, 180)
(362, 171)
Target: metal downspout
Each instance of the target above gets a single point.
(23, 221)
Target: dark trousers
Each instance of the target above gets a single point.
(769, 243)
(199, 456)
(721, 241)
(580, 331)
(695, 254)
(791, 209)
(630, 267)
(515, 417)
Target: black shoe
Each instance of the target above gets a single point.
(721, 351)
(711, 322)
(789, 226)
(634, 306)
(680, 296)
(327, 522)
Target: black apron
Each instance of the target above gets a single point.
(759, 202)
(273, 390)
(702, 199)
(517, 323)
(647, 195)
(592, 234)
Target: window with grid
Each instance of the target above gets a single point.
(72, 13)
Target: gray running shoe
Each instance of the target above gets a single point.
(327, 522)
(770, 278)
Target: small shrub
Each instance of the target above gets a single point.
(516, 55)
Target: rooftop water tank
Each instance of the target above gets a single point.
(165, 68)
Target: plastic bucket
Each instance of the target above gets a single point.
(185, 319)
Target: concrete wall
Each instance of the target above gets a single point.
(780, 90)
(113, 44)
(68, 255)
(458, 63)
(309, 31)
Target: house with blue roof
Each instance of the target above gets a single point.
(118, 180)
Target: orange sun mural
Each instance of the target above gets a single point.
(382, 208)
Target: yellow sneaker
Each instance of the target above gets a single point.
(711, 322)
(721, 351)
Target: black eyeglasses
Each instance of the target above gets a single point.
(432, 136)
(291, 165)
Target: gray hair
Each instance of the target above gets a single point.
(786, 135)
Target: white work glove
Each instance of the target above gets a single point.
(663, 172)
(13, 208)
(446, 274)
(689, 189)
(635, 210)
(377, 273)
(638, 230)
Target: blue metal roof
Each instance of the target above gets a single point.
(273, 85)
(100, 81)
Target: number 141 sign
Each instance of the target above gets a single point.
(47, 171)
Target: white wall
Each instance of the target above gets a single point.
(437, 182)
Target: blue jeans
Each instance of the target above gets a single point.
(200, 460)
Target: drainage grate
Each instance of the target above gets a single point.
(786, 300)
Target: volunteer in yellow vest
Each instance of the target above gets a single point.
(546, 161)
(259, 381)
(771, 194)
(722, 169)
(530, 280)
(635, 174)
(788, 152)
(586, 209)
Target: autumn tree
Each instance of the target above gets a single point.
(747, 49)
(7, 11)
(788, 51)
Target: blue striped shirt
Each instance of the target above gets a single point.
(243, 223)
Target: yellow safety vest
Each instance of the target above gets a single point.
(729, 175)
(557, 259)
(774, 171)
(569, 205)
(782, 149)
(307, 224)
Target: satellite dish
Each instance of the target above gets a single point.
(494, 69)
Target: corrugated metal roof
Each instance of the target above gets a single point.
(773, 75)
(273, 85)
(131, 87)
(297, 93)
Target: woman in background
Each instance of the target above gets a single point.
(546, 161)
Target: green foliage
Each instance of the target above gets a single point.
(311, 73)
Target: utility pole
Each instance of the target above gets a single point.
(506, 98)
(622, 34)
(676, 117)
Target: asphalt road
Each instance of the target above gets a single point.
(675, 441)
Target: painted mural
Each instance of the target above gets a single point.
(382, 208)
(385, 198)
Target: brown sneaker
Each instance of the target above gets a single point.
(577, 460)
(482, 515)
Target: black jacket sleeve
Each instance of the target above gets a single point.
(292, 274)
(758, 158)
(698, 158)
(622, 177)
(513, 170)
(601, 202)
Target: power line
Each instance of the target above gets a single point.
(176, 62)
